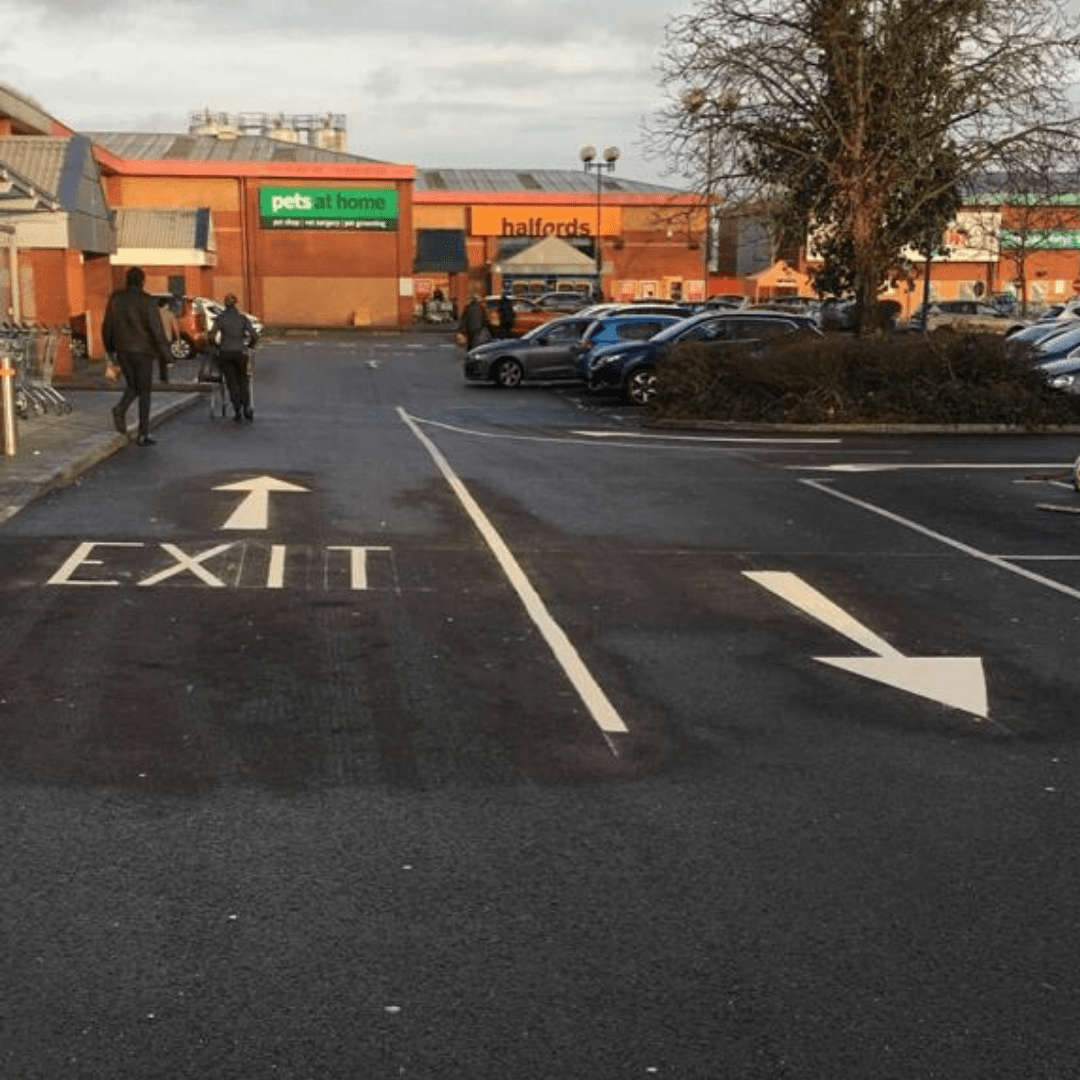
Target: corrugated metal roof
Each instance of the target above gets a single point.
(14, 187)
(552, 181)
(148, 146)
(39, 158)
(140, 227)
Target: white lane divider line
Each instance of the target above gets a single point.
(948, 541)
(604, 714)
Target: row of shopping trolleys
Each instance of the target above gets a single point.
(30, 349)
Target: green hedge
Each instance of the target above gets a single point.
(901, 379)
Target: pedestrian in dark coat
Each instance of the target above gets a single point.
(233, 334)
(474, 323)
(506, 315)
(133, 334)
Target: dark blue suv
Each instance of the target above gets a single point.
(631, 367)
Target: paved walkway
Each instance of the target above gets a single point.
(53, 450)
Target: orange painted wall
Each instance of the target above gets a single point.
(441, 217)
(297, 277)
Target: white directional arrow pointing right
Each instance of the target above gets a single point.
(956, 681)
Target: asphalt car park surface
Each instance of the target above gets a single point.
(515, 738)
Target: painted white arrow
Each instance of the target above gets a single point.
(254, 511)
(956, 681)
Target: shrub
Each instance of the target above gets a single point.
(904, 378)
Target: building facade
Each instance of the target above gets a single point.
(542, 230)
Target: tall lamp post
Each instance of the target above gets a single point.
(588, 156)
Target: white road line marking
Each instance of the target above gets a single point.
(705, 438)
(275, 578)
(884, 466)
(592, 696)
(941, 538)
(627, 438)
(1041, 558)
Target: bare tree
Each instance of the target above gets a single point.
(860, 121)
(1038, 206)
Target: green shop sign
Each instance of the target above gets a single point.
(1040, 239)
(328, 208)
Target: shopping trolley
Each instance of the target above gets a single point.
(33, 350)
(211, 376)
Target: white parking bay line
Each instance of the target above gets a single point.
(592, 696)
(941, 538)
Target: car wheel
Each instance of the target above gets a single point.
(182, 349)
(640, 386)
(509, 372)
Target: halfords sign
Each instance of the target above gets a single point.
(536, 222)
(328, 208)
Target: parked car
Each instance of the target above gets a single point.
(642, 307)
(191, 314)
(1061, 312)
(1031, 337)
(1006, 302)
(619, 327)
(527, 314)
(972, 316)
(632, 368)
(564, 300)
(1059, 346)
(1063, 374)
(1054, 348)
(835, 314)
(196, 315)
(727, 300)
(800, 305)
(557, 349)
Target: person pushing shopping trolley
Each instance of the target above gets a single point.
(232, 335)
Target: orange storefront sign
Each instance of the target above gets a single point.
(539, 221)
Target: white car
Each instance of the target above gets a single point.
(213, 308)
(965, 316)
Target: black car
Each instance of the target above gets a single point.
(631, 367)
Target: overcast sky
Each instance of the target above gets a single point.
(513, 83)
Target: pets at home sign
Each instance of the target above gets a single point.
(328, 208)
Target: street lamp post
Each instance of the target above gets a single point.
(588, 156)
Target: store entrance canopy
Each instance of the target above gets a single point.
(548, 256)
